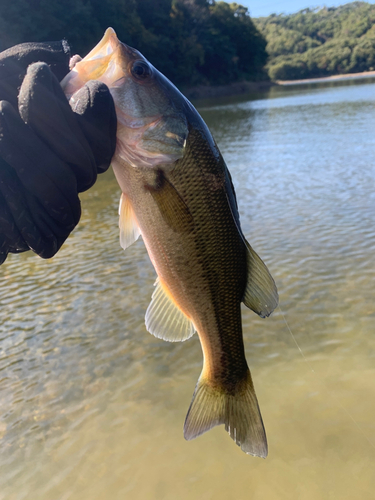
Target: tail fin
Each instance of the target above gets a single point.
(239, 411)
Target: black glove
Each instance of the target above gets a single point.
(48, 153)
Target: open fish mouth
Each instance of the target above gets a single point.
(105, 62)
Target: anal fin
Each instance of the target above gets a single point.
(129, 230)
(165, 320)
(261, 293)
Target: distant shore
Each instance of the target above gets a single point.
(239, 88)
(232, 89)
(348, 76)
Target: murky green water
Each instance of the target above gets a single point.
(92, 406)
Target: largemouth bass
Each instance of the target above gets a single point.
(178, 194)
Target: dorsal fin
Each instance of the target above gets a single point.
(261, 293)
(164, 319)
(129, 230)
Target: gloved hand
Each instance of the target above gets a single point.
(48, 152)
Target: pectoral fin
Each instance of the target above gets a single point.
(172, 207)
(261, 293)
(129, 230)
(165, 320)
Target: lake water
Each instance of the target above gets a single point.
(92, 406)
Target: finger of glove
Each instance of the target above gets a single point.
(53, 233)
(96, 115)
(21, 231)
(10, 236)
(44, 107)
(41, 172)
(14, 63)
(3, 256)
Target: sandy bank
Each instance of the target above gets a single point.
(238, 88)
(349, 76)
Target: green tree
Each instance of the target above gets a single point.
(320, 42)
(190, 41)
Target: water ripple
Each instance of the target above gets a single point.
(91, 404)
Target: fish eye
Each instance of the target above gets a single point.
(141, 70)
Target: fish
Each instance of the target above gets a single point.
(178, 194)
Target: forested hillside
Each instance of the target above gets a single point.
(320, 42)
(190, 41)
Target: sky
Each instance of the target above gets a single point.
(259, 8)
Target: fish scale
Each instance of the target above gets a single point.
(223, 275)
(178, 194)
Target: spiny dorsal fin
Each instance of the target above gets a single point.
(261, 293)
(129, 230)
(165, 320)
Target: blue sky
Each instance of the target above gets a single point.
(259, 8)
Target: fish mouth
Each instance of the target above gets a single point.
(106, 62)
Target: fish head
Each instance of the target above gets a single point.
(152, 127)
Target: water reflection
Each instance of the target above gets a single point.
(92, 406)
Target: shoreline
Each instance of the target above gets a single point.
(245, 87)
(348, 76)
(232, 89)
